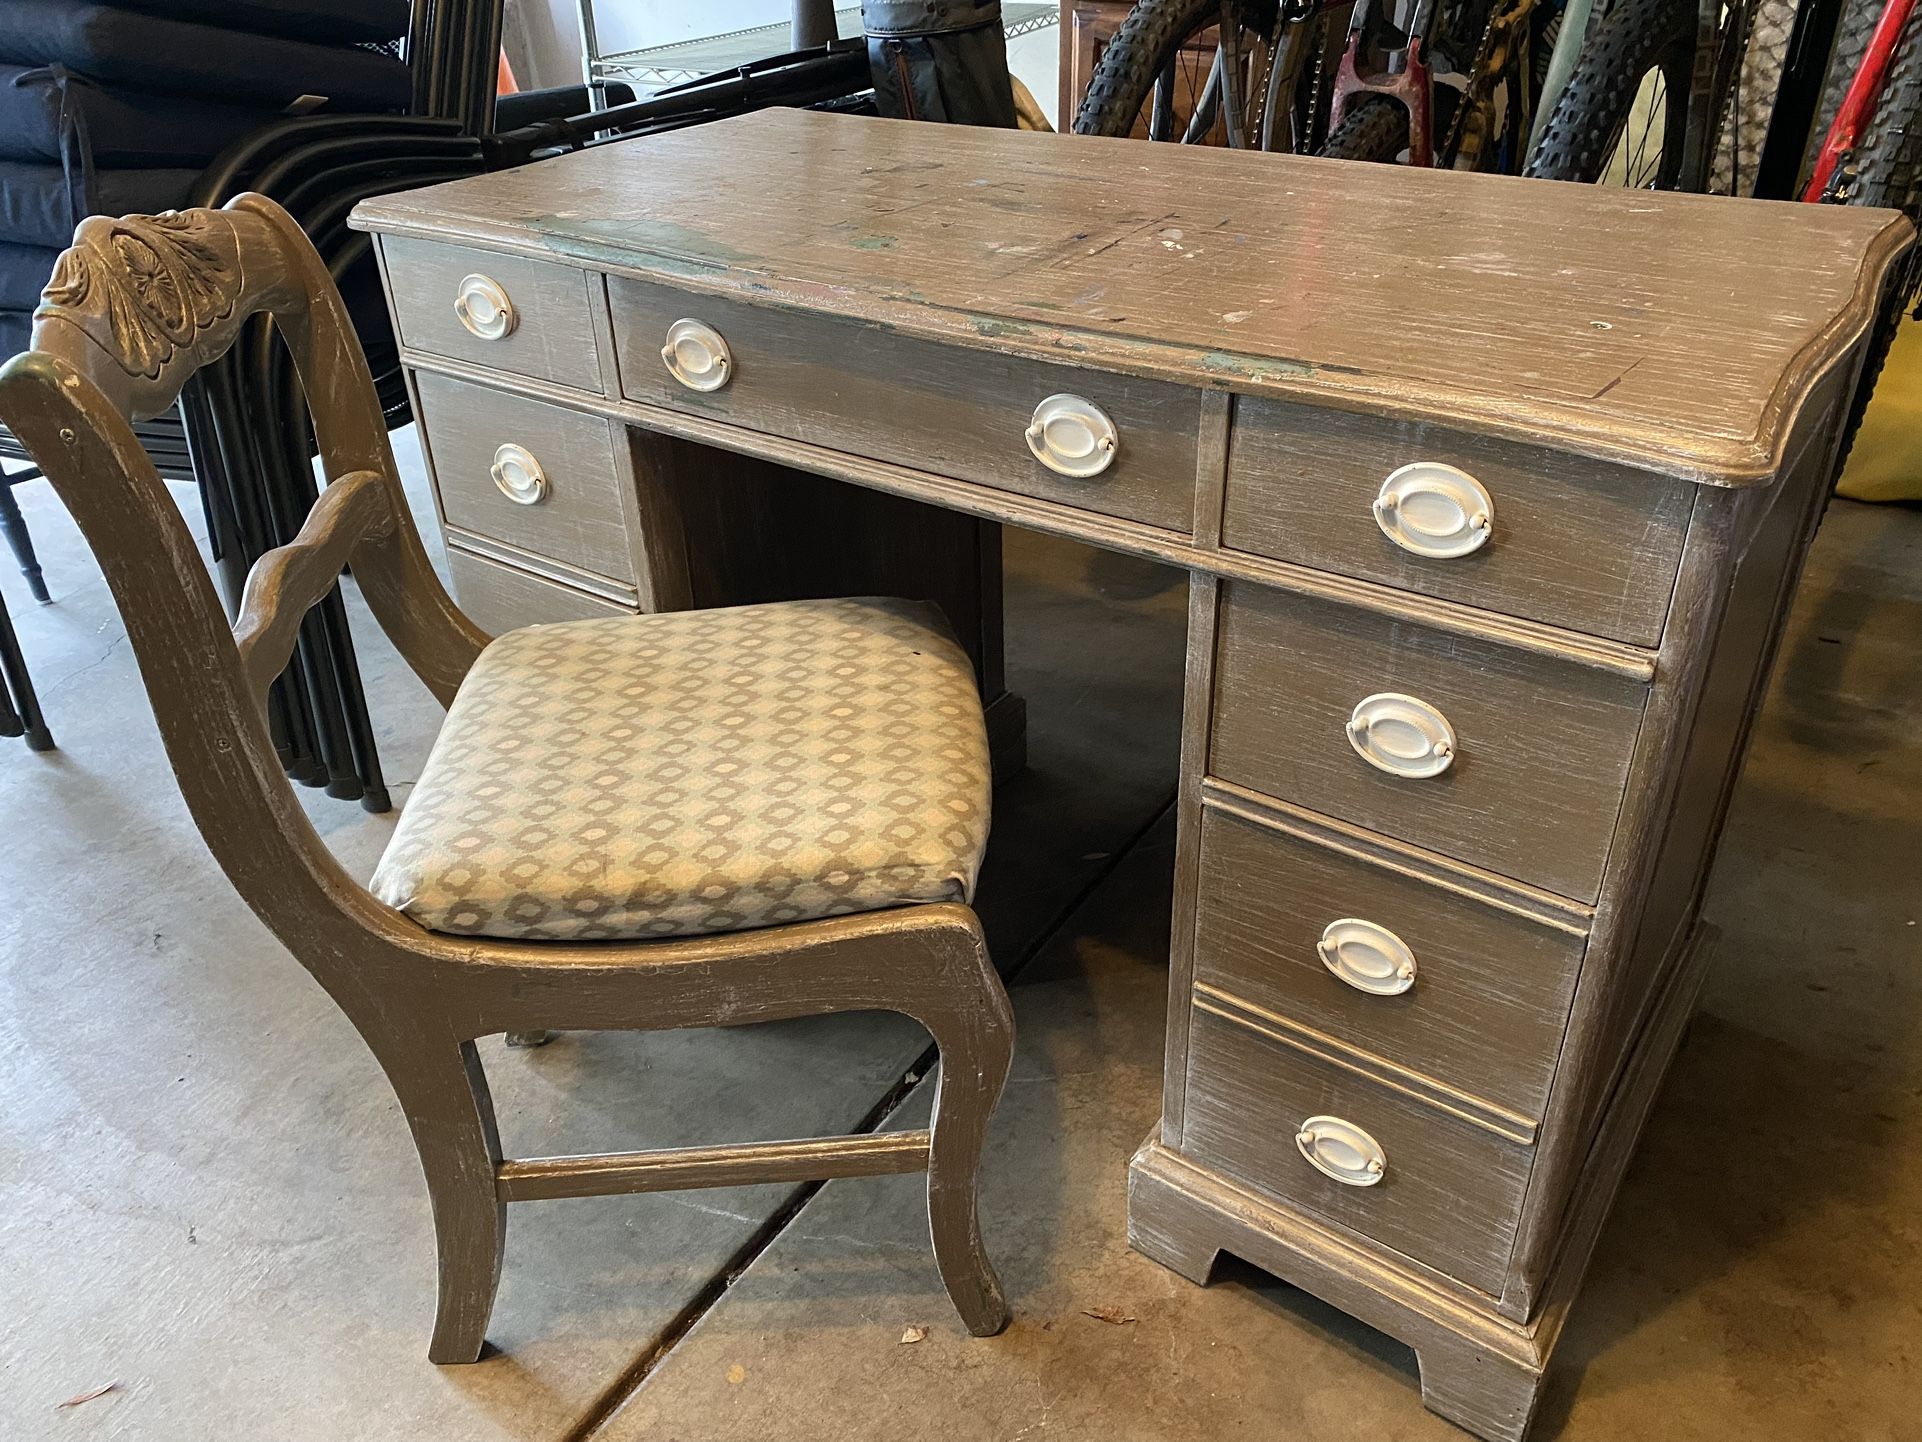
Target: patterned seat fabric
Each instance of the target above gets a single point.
(699, 771)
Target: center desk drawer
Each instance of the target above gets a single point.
(949, 410)
(538, 477)
(1448, 1192)
(1534, 776)
(1576, 543)
(1425, 978)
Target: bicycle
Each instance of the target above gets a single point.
(1443, 83)
(1864, 147)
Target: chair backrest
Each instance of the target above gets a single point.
(135, 307)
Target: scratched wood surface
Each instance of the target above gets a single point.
(1678, 332)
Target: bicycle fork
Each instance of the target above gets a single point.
(1382, 60)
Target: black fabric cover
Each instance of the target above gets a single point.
(329, 22)
(149, 52)
(15, 327)
(944, 60)
(49, 113)
(40, 204)
(24, 271)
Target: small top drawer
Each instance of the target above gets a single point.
(1502, 758)
(970, 414)
(528, 317)
(1567, 541)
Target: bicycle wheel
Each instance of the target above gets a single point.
(1375, 128)
(1620, 120)
(1852, 30)
(1161, 78)
(1888, 172)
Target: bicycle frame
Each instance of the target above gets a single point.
(1397, 66)
(1829, 181)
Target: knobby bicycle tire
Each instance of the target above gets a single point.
(1125, 76)
(1888, 172)
(1375, 128)
(1591, 114)
(1852, 30)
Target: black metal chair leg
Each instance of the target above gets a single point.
(14, 526)
(20, 708)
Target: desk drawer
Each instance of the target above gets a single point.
(551, 335)
(1541, 747)
(1576, 543)
(571, 513)
(948, 410)
(1449, 1194)
(500, 598)
(1488, 994)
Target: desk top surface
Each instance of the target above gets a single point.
(1677, 332)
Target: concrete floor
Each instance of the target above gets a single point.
(208, 1198)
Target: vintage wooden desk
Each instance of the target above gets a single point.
(1492, 493)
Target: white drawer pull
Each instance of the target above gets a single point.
(1368, 957)
(697, 356)
(484, 307)
(1073, 436)
(1435, 510)
(519, 475)
(1342, 1150)
(1401, 735)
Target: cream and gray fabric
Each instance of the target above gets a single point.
(699, 771)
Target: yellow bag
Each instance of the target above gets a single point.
(1886, 464)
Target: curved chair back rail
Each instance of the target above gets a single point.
(134, 309)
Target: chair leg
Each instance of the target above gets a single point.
(20, 708)
(444, 1093)
(977, 1046)
(13, 526)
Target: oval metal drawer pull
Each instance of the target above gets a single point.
(1368, 957)
(697, 356)
(1342, 1150)
(485, 308)
(519, 475)
(1401, 735)
(1435, 510)
(1073, 436)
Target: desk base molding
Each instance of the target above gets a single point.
(1480, 1370)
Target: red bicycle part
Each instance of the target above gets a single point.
(1411, 86)
(1865, 87)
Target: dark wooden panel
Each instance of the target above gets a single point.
(502, 599)
(1577, 543)
(1543, 744)
(1491, 992)
(955, 412)
(1452, 1190)
(554, 339)
(581, 521)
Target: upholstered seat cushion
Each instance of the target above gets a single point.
(699, 771)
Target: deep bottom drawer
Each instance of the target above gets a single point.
(1449, 1194)
(501, 599)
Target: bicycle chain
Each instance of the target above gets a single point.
(1488, 67)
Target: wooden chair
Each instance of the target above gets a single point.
(135, 307)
